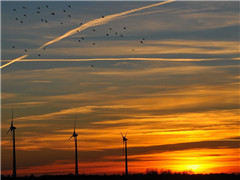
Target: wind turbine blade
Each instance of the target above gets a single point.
(12, 118)
(70, 138)
(74, 125)
(121, 134)
(126, 134)
(8, 131)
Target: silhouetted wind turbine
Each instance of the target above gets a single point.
(76, 157)
(12, 129)
(125, 150)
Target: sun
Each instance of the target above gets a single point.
(193, 167)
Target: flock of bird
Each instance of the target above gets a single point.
(67, 9)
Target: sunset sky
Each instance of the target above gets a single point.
(177, 94)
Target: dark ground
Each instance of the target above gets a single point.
(133, 177)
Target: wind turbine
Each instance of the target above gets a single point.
(76, 157)
(12, 129)
(125, 150)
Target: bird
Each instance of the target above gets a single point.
(38, 12)
(93, 30)
(44, 49)
(125, 152)
(102, 16)
(14, 9)
(25, 15)
(21, 22)
(42, 20)
(92, 65)
(93, 43)
(110, 29)
(116, 33)
(16, 18)
(53, 13)
(45, 21)
(69, 6)
(107, 34)
(24, 7)
(13, 46)
(124, 28)
(121, 35)
(61, 23)
(77, 30)
(38, 7)
(46, 6)
(79, 40)
(25, 50)
(82, 38)
(64, 10)
(75, 139)
(69, 16)
(141, 42)
(12, 129)
(81, 23)
(39, 55)
(143, 39)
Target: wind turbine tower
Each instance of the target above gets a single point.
(12, 129)
(76, 155)
(125, 152)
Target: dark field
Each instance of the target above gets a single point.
(134, 177)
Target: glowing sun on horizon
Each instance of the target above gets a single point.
(193, 167)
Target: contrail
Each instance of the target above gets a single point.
(95, 22)
(14, 60)
(119, 59)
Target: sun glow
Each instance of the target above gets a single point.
(193, 167)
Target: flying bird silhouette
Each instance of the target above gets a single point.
(69, 6)
(102, 16)
(141, 42)
(38, 7)
(110, 29)
(124, 28)
(69, 16)
(14, 9)
(46, 6)
(24, 7)
(93, 43)
(16, 18)
(53, 13)
(64, 10)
